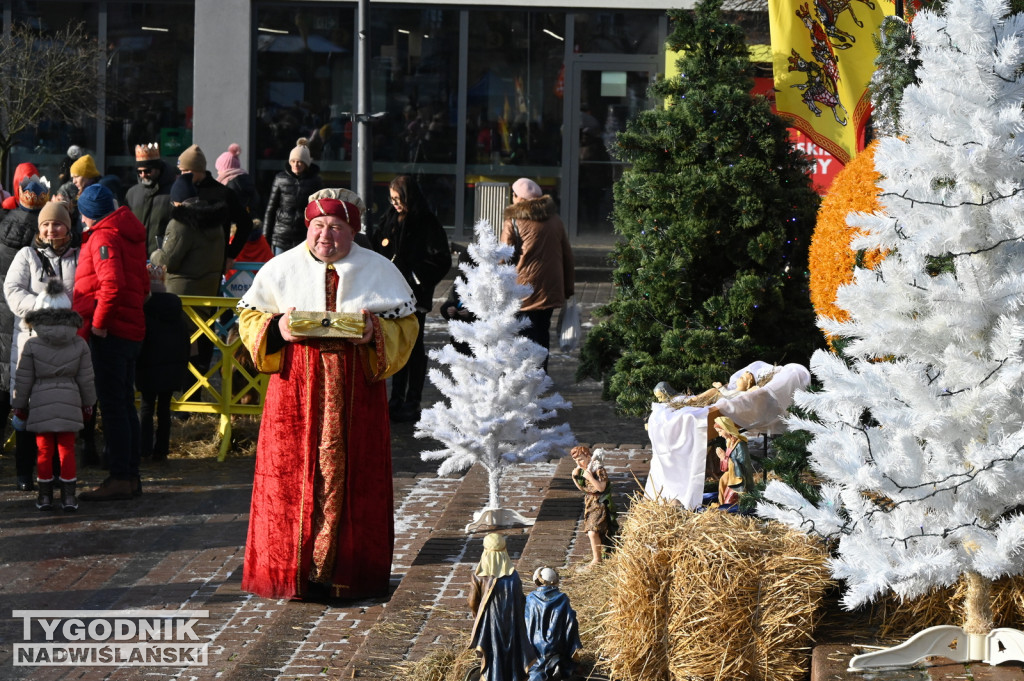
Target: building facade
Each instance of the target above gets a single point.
(467, 93)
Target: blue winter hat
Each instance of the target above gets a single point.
(183, 189)
(96, 202)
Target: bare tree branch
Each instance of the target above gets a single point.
(51, 77)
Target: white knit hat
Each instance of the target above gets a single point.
(301, 152)
(55, 297)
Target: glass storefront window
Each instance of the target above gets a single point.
(516, 85)
(304, 88)
(149, 51)
(415, 79)
(150, 58)
(46, 143)
(609, 32)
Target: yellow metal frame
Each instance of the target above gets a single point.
(205, 312)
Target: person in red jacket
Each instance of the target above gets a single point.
(23, 170)
(111, 286)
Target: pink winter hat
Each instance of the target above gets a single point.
(229, 159)
(525, 188)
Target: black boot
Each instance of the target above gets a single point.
(24, 457)
(44, 501)
(68, 499)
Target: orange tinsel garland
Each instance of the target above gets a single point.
(832, 261)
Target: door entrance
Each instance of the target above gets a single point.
(607, 94)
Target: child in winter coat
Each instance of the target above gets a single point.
(54, 390)
(162, 365)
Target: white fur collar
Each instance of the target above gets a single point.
(366, 280)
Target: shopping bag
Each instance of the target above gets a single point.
(569, 327)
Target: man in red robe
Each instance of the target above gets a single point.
(322, 522)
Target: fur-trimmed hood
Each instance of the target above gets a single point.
(49, 316)
(537, 210)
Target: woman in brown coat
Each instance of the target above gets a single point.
(545, 262)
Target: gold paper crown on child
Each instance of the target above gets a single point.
(147, 152)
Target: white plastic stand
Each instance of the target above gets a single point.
(999, 645)
(497, 517)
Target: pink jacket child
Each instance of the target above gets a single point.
(54, 390)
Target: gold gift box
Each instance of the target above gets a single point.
(327, 324)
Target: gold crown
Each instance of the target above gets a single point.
(147, 152)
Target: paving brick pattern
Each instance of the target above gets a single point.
(181, 546)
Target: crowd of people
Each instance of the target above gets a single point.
(91, 315)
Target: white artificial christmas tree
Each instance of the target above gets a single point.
(496, 396)
(920, 438)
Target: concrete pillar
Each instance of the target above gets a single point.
(223, 55)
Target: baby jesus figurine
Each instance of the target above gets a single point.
(745, 383)
(599, 514)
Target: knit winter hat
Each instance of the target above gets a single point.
(183, 189)
(192, 160)
(96, 202)
(84, 167)
(525, 188)
(35, 192)
(301, 152)
(53, 297)
(229, 159)
(56, 211)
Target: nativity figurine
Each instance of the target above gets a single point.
(665, 394)
(599, 514)
(552, 627)
(736, 465)
(499, 628)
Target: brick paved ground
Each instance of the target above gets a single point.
(180, 546)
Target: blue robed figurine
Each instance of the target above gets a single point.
(499, 630)
(551, 624)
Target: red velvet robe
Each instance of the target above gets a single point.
(322, 383)
(322, 496)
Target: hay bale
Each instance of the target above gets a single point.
(710, 596)
(897, 620)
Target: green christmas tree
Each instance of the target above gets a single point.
(715, 216)
(895, 70)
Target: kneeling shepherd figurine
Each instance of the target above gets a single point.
(551, 624)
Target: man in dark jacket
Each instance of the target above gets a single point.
(193, 160)
(111, 285)
(150, 199)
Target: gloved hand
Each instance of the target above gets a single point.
(87, 413)
(21, 414)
